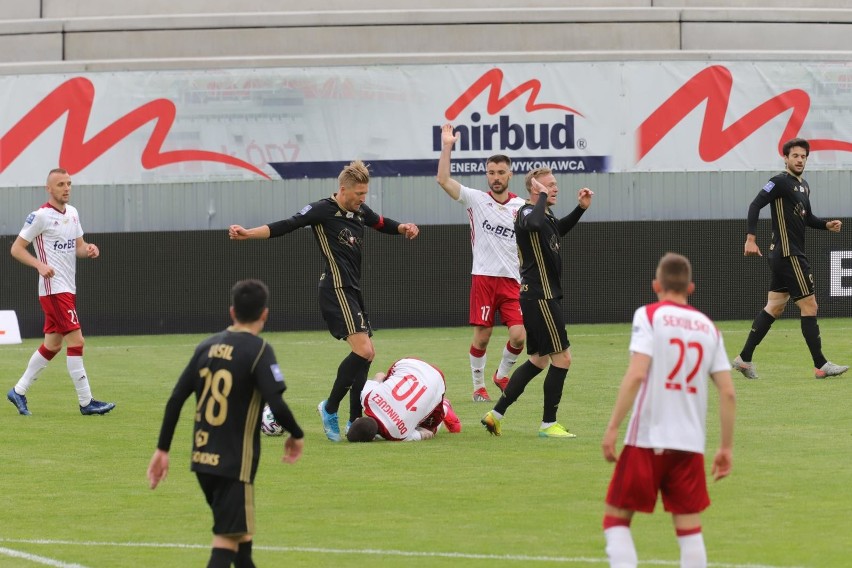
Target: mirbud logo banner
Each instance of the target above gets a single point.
(256, 124)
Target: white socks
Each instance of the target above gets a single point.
(622, 552)
(692, 551)
(620, 548)
(477, 367)
(78, 376)
(36, 365)
(507, 362)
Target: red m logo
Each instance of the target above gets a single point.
(75, 97)
(492, 80)
(714, 85)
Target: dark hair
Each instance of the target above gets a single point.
(249, 300)
(498, 159)
(801, 142)
(674, 272)
(363, 429)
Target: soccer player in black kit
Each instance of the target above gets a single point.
(233, 374)
(338, 224)
(790, 197)
(538, 232)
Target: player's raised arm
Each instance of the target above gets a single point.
(448, 140)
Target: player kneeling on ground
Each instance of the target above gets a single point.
(405, 404)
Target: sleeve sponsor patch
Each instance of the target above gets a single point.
(30, 218)
(304, 210)
(276, 373)
(526, 211)
(768, 187)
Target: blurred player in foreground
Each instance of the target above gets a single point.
(674, 348)
(232, 374)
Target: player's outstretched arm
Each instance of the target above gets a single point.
(238, 233)
(408, 230)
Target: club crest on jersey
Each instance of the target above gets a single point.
(345, 237)
(554, 243)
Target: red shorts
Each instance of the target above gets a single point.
(492, 294)
(641, 473)
(60, 313)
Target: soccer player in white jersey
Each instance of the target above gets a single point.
(495, 284)
(405, 404)
(674, 349)
(57, 238)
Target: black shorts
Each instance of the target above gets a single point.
(545, 326)
(232, 503)
(343, 312)
(791, 274)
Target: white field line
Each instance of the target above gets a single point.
(375, 552)
(37, 559)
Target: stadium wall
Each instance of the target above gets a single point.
(178, 282)
(637, 196)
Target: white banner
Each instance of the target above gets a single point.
(162, 127)
(9, 331)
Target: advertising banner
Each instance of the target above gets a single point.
(253, 124)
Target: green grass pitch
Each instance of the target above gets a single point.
(75, 492)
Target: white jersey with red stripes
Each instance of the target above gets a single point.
(54, 235)
(685, 348)
(409, 393)
(492, 232)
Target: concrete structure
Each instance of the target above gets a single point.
(92, 35)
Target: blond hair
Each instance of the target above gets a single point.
(535, 174)
(353, 174)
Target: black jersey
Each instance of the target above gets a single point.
(791, 211)
(537, 233)
(340, 236)
(231, 374)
